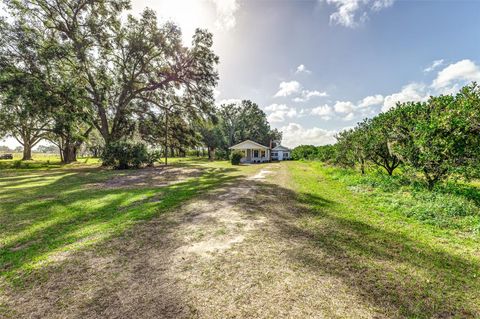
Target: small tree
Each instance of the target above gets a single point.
(235, 157)
(125, 155)
(351, 147)
(304, 152)
(436, 137)
(326, 153)
(377, 138)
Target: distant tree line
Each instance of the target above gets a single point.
(84, 75)
(437, 139)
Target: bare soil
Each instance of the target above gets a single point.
(150, 177)
(229, 254)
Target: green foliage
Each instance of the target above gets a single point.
(436, 137)
(324, 153)
(377, 138)
(125, 155)
(235, 157)
(17, 164)
(454, 206)
(152, 157)
(441, 209)
(431, 269)
(304, 152)
(84, 66)
(245, 120)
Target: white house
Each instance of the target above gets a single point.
(254, 152)
(281, 153)
(258, 153)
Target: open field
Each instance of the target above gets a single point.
(211, 240)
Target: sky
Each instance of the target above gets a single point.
(317, 67)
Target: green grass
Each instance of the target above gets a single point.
(420, 269)
(46, 213)
(43, 161)
(453, 205)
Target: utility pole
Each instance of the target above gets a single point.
(166, 136)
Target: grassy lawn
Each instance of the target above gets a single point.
(338, 240)
(48, 213)
(420, 267)
(42, 161)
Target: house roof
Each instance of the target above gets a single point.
(248, 144)
(280, 148)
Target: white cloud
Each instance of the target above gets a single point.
(303, 69)
(371, 100)
(225, 10)
(343, 107)
(378, 5)
(351, 13)
(276, 107)
(307, 95)
(216, 93)
(215, 15)
(322, 110)
(295, 134)
(412, 92)
(435, 64)
(325, 112)
(280, 112)
(350, 116)
(288, 88)
(461, 71)
(229, 101)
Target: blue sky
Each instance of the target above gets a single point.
(319, 66)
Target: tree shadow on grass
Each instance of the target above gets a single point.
(44, 229)
(396, 273)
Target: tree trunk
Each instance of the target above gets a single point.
(430, 181)
(211, 154)
(69, 153)
(362, 166)
(61, 154)
(27, 151)
(431, 184)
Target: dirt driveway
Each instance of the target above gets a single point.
(229, 254)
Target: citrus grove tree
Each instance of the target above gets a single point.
(438, 138)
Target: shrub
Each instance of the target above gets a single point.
(152, 157)
(125, 155)
(221, 154)
(441, 209)
(304, 152)
(236, 157)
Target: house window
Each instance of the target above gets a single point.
(274, 154)
(286, 155)
(263, 153)
(255, 153)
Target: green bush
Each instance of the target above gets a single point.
(17, 164)
(125, 155)
(236, 157)
(439, 208)
(152, 157)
